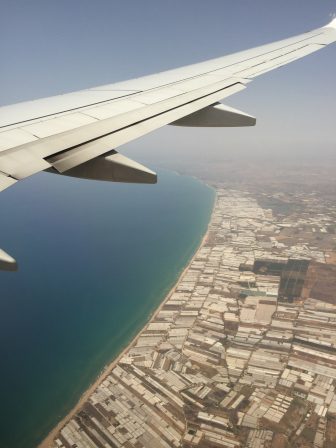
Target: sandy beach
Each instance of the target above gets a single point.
(47, 442)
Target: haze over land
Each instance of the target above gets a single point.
(242, 353)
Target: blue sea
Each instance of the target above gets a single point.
(95, 259)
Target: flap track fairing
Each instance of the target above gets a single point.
(112, 167)
(217, 115)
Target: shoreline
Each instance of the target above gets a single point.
(47, 441)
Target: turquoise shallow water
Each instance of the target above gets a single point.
(95, 259)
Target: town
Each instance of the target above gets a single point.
(242, 352)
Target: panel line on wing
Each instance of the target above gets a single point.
(63, 132)
(68, 110)
(135, 92)
(281, 59)
(54, 157)
(77, 155)
(258, 56)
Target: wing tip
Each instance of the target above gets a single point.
(7, 263)
(331, 24)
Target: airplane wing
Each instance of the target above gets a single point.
(76, 134)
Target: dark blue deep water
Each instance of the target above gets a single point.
(95, 259)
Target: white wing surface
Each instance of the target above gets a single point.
(76, 134)
(65, 131)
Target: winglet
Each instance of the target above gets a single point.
(7, 263)
(331, 24)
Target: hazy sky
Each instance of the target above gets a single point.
(50, 47)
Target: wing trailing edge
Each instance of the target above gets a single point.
(76, 134)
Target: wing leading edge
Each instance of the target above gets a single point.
(77, 133)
